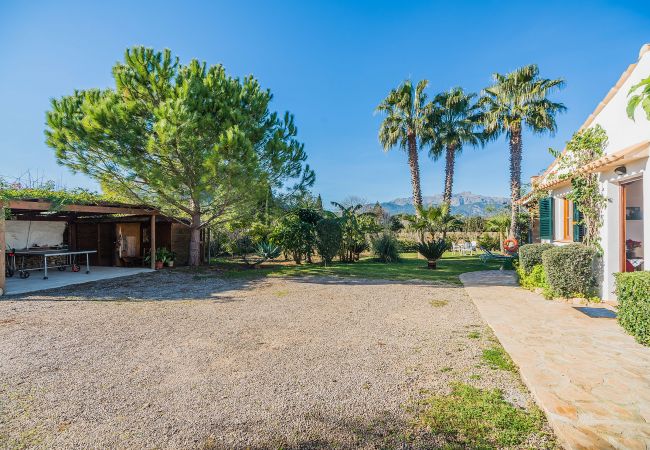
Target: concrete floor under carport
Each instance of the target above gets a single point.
(56, 279)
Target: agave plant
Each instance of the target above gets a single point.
(264, 251)
(267, 250)
(433, 251)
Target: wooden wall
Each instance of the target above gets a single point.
(180, 243)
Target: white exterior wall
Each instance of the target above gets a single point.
(622, 132)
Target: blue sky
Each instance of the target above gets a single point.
(330, 63)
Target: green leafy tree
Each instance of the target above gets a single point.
(328, 239)
(189, 139)
(641, 96)
(357, 227)
(295, 236)
(456, 120)
(406, 125)
(516, 100)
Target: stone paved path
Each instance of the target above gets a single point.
(587, 374)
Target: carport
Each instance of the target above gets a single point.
(114, 236)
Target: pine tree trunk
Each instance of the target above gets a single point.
(515, 178)
(415, 172)
(449, 174)
(195, 240)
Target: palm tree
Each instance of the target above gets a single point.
(434, 219)
(499, 223)
(515, 100)
(455, 120)
(406, 125)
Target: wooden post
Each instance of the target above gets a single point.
(2, 250)
(209, 242)
(152, 239)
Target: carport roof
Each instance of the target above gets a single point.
(45, 208)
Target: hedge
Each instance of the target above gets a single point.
(530, 255)
(569, 270)
(407, 245)
(633, 291)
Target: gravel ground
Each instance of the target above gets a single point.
(172, 360)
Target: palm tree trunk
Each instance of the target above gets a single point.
(449, 173)
(515, 178)
(415, 173)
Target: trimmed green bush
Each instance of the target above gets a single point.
(407, 245)
(489, 242)
(633, 291)
(569, 270)
(535, 279)
(386, 248)
(530, 255)
(328, 239)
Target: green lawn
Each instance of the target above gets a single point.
(409, 268)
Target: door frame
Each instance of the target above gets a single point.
(622, 221)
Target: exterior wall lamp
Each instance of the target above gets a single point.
(620, 170)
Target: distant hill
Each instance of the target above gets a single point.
(463, 203)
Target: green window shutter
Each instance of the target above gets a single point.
(546, 218)
(578, 229)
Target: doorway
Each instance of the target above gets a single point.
(631, 218)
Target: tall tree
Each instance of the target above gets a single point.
(189, 139)
(456, 122)
(406, 124)
(516, 100)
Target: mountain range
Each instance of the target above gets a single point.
(462, 203)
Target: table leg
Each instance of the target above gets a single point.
(45, 266)
(87, 263)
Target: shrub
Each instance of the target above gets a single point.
(328, 239)
(633, 291)
(407, 245)
(535, 279)
(386, 248)
(242, 245)
(569, 270)
(530, 255)
(489, 242)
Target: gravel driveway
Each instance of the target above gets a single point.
(174, 360)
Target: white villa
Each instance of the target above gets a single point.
(624, 180)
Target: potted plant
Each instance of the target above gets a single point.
(171, 257)
(161, 257)
(433, 251)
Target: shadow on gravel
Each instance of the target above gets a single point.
(186, 284)
(353, 281)
(386, 431)
(168, 285)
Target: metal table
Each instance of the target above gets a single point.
(70, 261)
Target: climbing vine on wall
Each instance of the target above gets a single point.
(585, 147)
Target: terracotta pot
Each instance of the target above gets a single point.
(159, 265)
(432, 264)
